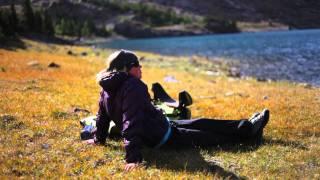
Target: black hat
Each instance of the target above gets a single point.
(122, 60)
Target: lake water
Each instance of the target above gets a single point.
(286, 55)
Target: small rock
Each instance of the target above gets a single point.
(306, 85)
(271, 80)
(261, 79)
(229, 94)
(84, 54)
(212, 73)
(171, 79)
(33, 63)
(77, 110)
(236, 94)
(234, 72)
(265, 97)
(2, 69)
(45, 146)
(70, 52)
(53, 65)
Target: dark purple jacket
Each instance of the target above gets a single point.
(126, 101)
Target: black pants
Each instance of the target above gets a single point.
(206, 132)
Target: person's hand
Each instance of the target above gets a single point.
(130, 166)
(90, 142)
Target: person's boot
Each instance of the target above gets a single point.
(260, 121)
(254, 115)
(185, 99)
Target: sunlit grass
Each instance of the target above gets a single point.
(40, 131)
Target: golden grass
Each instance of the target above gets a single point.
(40, 134)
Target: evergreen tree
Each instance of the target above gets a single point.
(38, 22)
(78, 28)
(1, 34)
(85, 30)
(92, 27)
(70, 27)
(14, 22)
(5, 23)
(57, 28)
(1, 24)
(47, 24)
(28, 15)
(62, 26)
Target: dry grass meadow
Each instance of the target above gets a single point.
(40, 130)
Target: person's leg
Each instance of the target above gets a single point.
(194, 137)
(225, 127)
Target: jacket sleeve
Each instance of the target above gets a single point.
(134, 101)
(103, 122)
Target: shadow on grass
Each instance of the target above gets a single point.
(190, 159)
(12, 44)
(179, 159)
(47, 39)
(185, 160)
(285, 143)
(251, 146)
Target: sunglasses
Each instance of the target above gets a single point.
(134, 64)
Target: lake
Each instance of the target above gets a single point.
(283, 55)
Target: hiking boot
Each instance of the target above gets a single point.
(185, 99)
(160, 94)
(254, 115)
(260, 121)
(185, 113)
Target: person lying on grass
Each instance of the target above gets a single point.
(125, 100)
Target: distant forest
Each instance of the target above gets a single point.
(31, 19)
(40, 22)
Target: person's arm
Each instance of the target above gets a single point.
(134, 101)
(103, 122)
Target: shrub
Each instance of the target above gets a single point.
(220, 25)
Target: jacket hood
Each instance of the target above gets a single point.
(111, 82)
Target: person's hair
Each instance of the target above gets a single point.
(122, 60)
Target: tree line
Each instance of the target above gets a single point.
(146, 13)
(40, 22)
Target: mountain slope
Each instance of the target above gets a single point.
(294, 13)
(150, 18)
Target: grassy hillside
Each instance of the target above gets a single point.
(40, 129)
